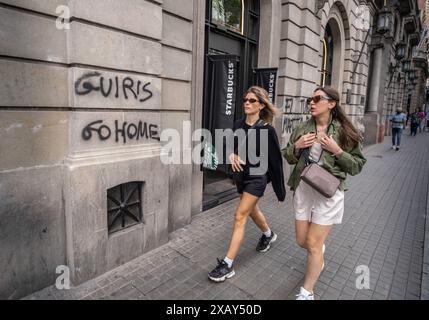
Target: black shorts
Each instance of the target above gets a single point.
(255, 185)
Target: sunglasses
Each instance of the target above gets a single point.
(250, 100)
(316, 99)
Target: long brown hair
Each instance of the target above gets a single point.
(270, 111)
(350, 136)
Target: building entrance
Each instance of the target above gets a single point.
(231, 47)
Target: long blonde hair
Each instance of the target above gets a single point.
(269, 111)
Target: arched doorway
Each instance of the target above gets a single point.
(232, 33)
(327, 57)
(333, 51)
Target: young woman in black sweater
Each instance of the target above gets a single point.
(259, 113)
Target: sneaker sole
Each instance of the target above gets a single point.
(227, 276)
(268, 248)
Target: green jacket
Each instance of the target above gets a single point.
(350, 162)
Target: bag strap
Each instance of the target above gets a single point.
(306, 154)
(306, 151)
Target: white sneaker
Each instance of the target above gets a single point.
(394, 147)
(304, 295)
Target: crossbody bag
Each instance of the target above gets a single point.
(317, 177)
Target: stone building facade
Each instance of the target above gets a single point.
(82, 110)
(323, 43)
(398, 75)
(88, 88)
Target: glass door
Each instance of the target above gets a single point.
(232, 31)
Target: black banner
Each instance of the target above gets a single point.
(224, 70)
(267, 79)
(223, 93)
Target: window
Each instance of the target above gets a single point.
(228, 13)
(327, 59)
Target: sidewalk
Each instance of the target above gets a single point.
(383, 228)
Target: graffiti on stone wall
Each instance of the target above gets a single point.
(121, 132)
(291, 121)
(359, 123)
(295, 111)
(295, 105)
(113, 87)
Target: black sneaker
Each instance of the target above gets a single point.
(221, 272)
(264, 242)
(397, 148)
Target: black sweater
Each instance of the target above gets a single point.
(275, 160)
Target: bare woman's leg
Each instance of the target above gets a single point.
(301, 231)
(224, 269)
(259, 219)
(268, 236)
(316, 236)
(246, 206)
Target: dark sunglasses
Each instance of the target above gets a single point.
(250, 100)
(316, 99)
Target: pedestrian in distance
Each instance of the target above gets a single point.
(422, 117)
(398, 124)
(414, 122)
(335, 144)
(427, 121)
(259, 114)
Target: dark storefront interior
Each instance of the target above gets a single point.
(232, 32)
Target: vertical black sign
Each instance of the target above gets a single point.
(267, 78)
(223, 93)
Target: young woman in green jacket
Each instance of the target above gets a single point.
(336, 145)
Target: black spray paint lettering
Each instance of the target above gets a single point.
(124, 132)
(132, 131)
(103, 131)
(296, 105)
(94, 81)
(288, 105)
(290, 122)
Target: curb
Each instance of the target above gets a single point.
(424, 294)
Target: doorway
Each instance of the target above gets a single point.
(231, 32)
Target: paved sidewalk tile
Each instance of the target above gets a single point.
(383, 231)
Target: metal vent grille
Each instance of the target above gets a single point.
(124, 206)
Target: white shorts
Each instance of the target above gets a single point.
(309, 205)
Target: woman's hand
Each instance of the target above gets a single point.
(305, 141)
(329, 144)
(236, 162)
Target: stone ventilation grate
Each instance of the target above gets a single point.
(124, 206)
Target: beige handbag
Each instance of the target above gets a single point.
(319, 178)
